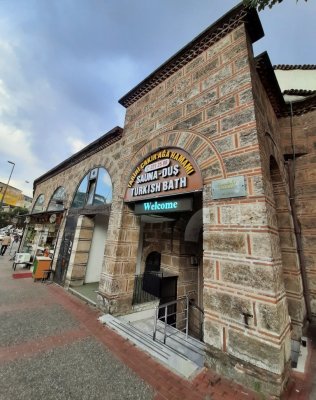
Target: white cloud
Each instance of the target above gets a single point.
(75, 144)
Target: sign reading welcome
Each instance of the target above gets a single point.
(165, 172)
(163, 206)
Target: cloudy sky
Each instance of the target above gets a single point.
(64, 64)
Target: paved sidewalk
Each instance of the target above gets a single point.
(52, 347)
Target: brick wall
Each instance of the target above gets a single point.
(302, 139)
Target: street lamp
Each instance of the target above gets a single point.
(6, 187)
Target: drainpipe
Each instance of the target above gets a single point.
(297, 228)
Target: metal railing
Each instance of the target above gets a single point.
(163, 315)
(139, 294)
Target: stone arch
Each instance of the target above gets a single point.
(54, 197)
(202, 150)
(146, 251)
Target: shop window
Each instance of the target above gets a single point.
(94, 189)
(57, 200)
(38, 205)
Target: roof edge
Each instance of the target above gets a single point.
(270, 82)
(105, 140)
(229, 21)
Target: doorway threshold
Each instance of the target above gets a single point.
(87, 292)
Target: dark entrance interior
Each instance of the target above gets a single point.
(160, 284)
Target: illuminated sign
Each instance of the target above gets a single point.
(163, 206)
(230, 187)
(165, 172)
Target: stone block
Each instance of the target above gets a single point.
(122, 250)
(194, 145)
(209, 215)
(225, 144)
(189, 122)
(209, 130)
(250, 276)
(234, 51)
(183, 84)
(238, 118)
(256, 351)
(246, 96)
(81, 258)
(85, 233)
(184, 96)
(202, 101)
(205, 70)
(219, 46)
(234, 84)
(241, 162)
(84, 246)
(290, 260)
(213, 334)
(169, 118)
(213, 170)
(273, 317)
(258, 185)
(217, 77)
(253, 214)
(227, 305)
(196, 62)
(224, 241)
(312, 281)
(296, 308)
(208, 268)
(266, 245)
(221, 107)
(205, 155)
(293, 283)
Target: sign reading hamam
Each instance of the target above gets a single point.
(166, 172)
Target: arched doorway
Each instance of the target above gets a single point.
(82, 248)
(153, 261)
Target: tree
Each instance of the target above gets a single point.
(261, 4)
(6, 216)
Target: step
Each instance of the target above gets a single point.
(179, 363)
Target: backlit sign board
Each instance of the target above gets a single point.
(166, 172)
(163, 206)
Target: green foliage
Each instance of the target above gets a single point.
(261, 4)
(6, 217)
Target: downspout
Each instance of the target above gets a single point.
(297, 228)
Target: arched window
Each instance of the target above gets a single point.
(94, 189)
(38, 205)
(153, 262)
(57, 200)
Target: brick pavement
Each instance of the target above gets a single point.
(165, 384)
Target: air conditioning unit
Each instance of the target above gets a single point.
(22, 258)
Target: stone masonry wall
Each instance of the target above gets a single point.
(71, 178)
(207, 109)
(280, 222)
(304, 145)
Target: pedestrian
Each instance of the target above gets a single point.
(14, 246)
(5, 243)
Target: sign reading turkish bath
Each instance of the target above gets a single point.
(166, 172)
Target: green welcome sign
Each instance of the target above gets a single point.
(163, 206)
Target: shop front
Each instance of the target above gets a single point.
(165, 191)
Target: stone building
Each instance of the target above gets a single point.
(209, 190)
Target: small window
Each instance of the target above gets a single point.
(38, 206)
(94, 189)
(57, 200)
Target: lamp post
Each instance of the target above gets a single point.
(6, 187)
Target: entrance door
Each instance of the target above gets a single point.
(65, 250)
(96, 254)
